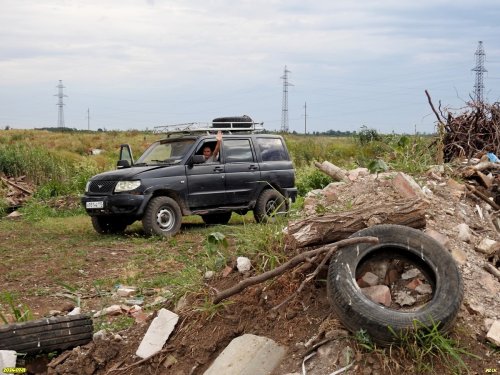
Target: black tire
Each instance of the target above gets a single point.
(214, 219)
(270, 205)
(357, 312)
(46, 335)
(108, 225)
(246, 120)
(162, 217)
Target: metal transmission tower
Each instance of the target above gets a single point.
(284, 107)
(479, 69)
(60, 104)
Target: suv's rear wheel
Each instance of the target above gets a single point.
(162, 217)
(220, 218)
(108, 225)
(270, 205)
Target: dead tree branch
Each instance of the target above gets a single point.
(288, 265)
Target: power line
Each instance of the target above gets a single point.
(479, 69)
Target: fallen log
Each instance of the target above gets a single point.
(338, 174)
(288, 265)
(337, 226)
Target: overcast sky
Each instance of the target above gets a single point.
(136, 64)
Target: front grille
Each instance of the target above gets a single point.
(102, 187)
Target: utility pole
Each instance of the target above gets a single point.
(60, 104)
(88, 119)
(284, 107)
(305, 117)
(479, 69)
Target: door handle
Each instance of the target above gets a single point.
(253, 167)
(218, 169)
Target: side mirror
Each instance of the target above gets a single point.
(125, 155)
(198, 159)
(122, 164)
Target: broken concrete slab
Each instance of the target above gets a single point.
(248, 355)
(158, 333)
(493, 334)
(7, 359)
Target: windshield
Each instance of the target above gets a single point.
(165, 152)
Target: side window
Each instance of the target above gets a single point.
(272, 149)
(237, 150)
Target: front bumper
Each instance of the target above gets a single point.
(119, 204)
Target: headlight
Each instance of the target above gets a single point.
(126, 186)
(87, 186)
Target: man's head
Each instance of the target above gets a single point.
(207, 152)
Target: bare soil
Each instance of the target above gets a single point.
(304, 325)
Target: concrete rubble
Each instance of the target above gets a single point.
(248, 355)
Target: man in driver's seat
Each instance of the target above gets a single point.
(210, 156)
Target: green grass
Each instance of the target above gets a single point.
(427, 346)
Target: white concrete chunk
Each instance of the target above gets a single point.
(158, 332)
(248, 355)
(487, 246)
(493, 334)
(243, 264)
(126, 291)
(7, 359)
(464, 233)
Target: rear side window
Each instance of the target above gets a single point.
(237, 150)
(272, 149)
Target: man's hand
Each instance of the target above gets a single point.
(219, 135)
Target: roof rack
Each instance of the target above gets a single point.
(210, 127)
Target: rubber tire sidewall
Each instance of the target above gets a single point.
(259, 211)
(149, 222)
(358, 312)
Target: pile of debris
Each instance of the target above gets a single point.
(16, 190)
(472, 132)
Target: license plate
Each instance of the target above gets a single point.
(96, 204)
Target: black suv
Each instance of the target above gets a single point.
(172, 179)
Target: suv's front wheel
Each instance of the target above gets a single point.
(270, 205)
(162, 217)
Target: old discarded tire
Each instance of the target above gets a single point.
(214, 219)
(162, 217)
(108, 225)
(269, 206)
(46, 335)
(357, 312)
(238, 122)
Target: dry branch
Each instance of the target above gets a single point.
(333, 227)
(491, 269)
(485, 198)
(288, 265)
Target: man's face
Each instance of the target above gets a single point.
(207, 152)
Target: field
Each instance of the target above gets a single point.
(52, 259)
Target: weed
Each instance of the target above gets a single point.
(310, 178)
(426, 346)
(364, 340)
(117, 324)
(211, 309)
(20, 313)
